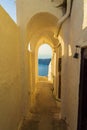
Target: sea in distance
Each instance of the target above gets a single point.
(43, 65)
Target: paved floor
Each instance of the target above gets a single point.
(44, 113)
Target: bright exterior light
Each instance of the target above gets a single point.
(29, 47)
(45, 51)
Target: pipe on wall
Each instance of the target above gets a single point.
(67, 5)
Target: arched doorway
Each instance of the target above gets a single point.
(44, 60)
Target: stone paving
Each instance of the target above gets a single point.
(44, 113)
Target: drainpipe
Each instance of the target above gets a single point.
(65, 16)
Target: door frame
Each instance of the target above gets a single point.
(81, 89)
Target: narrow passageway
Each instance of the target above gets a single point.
(44, 112)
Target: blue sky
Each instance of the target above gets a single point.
(10, 7)
(45, 51)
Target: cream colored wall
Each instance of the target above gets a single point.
(72, 34)
(10, 88)
(27, 9)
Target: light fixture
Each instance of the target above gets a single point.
(76, 55)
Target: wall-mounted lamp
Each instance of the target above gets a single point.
(76, 55)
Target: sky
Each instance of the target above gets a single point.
(10, 7)
(45, 51)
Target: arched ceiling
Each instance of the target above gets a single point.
(42, 25)
(44, 37)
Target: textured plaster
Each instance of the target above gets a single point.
(10, 89)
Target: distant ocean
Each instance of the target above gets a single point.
(43, 65)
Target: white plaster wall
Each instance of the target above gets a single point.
(72, 34)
